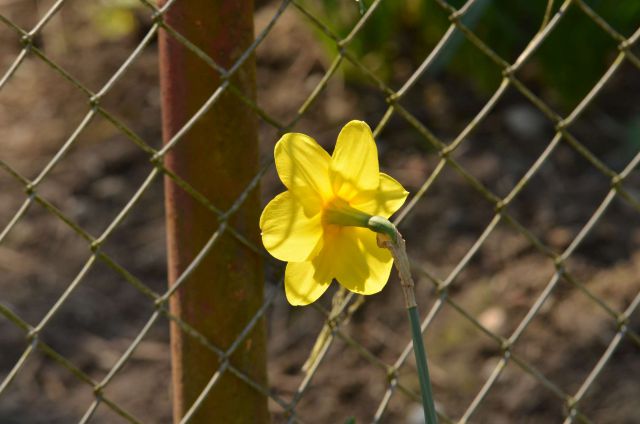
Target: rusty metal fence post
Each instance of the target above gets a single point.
(218, 156)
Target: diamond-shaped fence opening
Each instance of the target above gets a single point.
(520, 225)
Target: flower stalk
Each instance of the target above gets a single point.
(390, 238)
(339, 212)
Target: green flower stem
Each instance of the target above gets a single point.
(339, 212)
(390, 238)
(423, 368)
(383, 226)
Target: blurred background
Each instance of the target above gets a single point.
(496, 287)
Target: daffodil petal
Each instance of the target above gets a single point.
(303, 167)
(384, 201)
(288, 232)
(354, 164)
(361, 267)
(302, 285)
(379, 260)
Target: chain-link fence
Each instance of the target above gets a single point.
(382, 358)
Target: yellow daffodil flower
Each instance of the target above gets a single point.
(319, 224)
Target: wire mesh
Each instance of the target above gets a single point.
(345, 305)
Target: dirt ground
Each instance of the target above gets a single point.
(41, 255)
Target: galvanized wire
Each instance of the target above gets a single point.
(345, 305)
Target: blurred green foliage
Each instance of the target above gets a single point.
(114, 19)
(569, 61)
